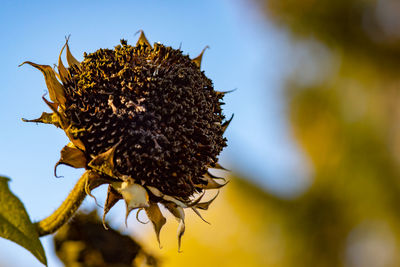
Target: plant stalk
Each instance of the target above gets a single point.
(67, 209)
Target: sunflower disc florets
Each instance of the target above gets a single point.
(143, 119)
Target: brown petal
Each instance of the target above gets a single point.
(205, 205)
(71, 156)
(158, 193)
(218, 166)
(143, 40)
(211, 184)
(223, 93)
(62, 71)
(226, 124)
(70, 58)
(48, 118)
(71, 133)
(137, 216)
(198, 214)
(56, 90)
(215, 177)
(154, 214)
(104, 162)
(179, 214)
(197, 60)
(112, 198)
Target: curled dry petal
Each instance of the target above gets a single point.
(62, 71)
(104, 162)
(112, 198)
(226, 124)
(168, 198)
(71, 156)
(135, 196)
(198, 214)
(71, 133)
(47, 118)
(56, 90)
(158, 220)
(225, 92)
(211, 183)
(197, 60)
(218, 166)
(205, 205)
(137, 216)
(179, 214)
(70, 58)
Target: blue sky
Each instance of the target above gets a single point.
(246, 53)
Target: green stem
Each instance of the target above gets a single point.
(68, 208)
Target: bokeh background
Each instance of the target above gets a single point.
(313, 148)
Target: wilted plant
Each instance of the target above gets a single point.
(143, 119)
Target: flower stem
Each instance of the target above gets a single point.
(70, 205)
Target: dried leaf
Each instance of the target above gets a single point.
(56, 90)
(154, 214)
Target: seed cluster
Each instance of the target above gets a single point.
(158, 109)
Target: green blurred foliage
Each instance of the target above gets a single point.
(346, 119)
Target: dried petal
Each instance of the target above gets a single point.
(198, 214)
(224, 92)
(135, 195)
(71, 133)
(211, 184)
(154, 214)
(205, 205)
(62, 71)
(226, 124)
(70, 58)
(56, 90)
(112, 198)
(218, 166)
(158, 193)
(47, 118)
(179, 214)
(71, 156)
(143, 40)
(137, 216)
(197, 60)
(104, 162)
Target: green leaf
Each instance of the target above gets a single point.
(15, 224)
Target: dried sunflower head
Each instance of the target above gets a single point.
(144, 119)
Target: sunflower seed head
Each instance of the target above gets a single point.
(159, 107)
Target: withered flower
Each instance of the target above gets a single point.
(143, 119)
